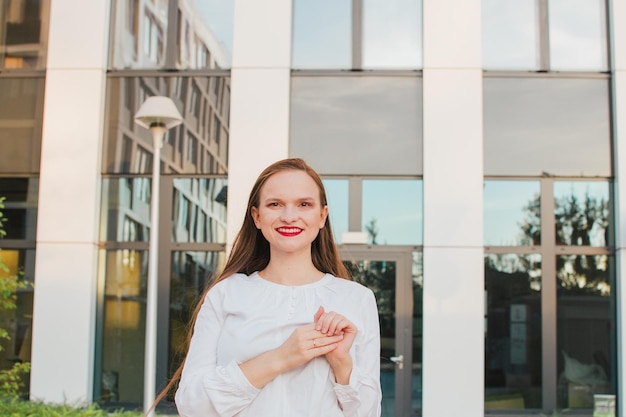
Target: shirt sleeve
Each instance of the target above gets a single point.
(362, 396)
(206, 389)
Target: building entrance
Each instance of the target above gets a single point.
(394, 274)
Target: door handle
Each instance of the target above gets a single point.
(398, 360)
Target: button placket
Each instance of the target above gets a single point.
(292, 304)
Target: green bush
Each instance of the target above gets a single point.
(13, 407)
(11, 380)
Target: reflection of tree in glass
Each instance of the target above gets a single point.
(372, 231)
(578, 223)
(522, 272)
(531, 227)
(583, 274)
(581, 223)
(379, 276)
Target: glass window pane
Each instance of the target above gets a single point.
(581, 213)
(418, 332)
(513, 332)
(23, 34)
(20, 207)
(512, 213)
(373, 125)
(205, 31)
(201, 32)
(123, 332)
(192, 272)
(126, 209)
(578, 35)
(510, 34)
(539, 126)
(337, 195)
(21, 116)
(392, 34)
(139, 31)
(18, 321)
(128, 146)
(392, 211)
(199, 210)
(586, 362)
(322, 34)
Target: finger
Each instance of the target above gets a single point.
(324, 321)
(325, 340)
(337, 326)
(330, 322)
(319, 312)
(321, 351)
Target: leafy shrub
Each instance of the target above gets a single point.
(14, 407)
(11, 380)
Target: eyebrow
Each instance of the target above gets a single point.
(296, 199)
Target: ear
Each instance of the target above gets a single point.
(254, 212)
(324, 216)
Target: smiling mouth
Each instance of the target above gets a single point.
(289, 231)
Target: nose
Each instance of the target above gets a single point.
(289, 214)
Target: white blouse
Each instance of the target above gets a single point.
(244, 316)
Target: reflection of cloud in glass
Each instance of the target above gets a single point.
(537, 125)
(504, 203)
(509, 34)
(322, 34)
(577, 35)
(218, 16)
(392, 34)
(357, 125)
(396, 205)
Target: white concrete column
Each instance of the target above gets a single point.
(69, 194)
(453, 343)
(618, 64)
(259, 107)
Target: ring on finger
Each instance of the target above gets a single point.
(314, 343)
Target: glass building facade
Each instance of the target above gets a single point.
(471, 152)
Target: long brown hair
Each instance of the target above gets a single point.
(251, 251)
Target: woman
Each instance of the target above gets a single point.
(280, 332)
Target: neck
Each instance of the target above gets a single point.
(291, 270)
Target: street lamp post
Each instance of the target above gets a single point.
(157, 114)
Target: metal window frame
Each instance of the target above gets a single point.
(549, 251)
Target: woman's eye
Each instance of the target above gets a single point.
(305, 204)
(273, 204)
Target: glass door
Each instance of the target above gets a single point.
(393, 274)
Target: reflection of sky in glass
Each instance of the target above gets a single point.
(577, 35)
(596, 190)
(510, 34)
(322, 34)
(338, 196)
(371, 124)
(580, 189)
(504, 203)
(536, 125)
(397, 207)
(218, 16)
(392, 34)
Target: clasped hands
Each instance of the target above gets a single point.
(331, 334)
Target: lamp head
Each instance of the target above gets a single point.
(158, 111)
